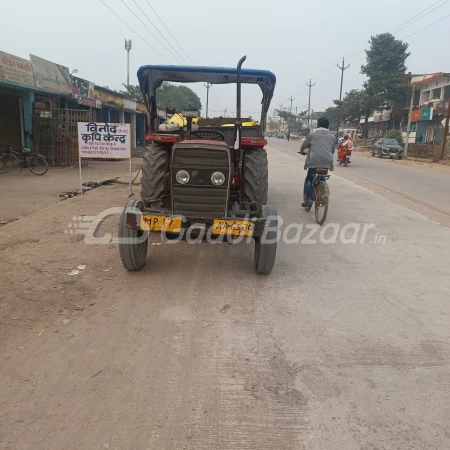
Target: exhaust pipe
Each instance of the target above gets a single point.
(237, 153)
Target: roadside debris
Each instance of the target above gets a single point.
(97, 373)
(225, 308)
(87, 186)
(64, 280)
(4, 305)
(78, 307)
(73, 272)
(81, 267)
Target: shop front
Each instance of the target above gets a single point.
(16, 97)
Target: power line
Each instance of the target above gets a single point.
(398, 28)
(174, 38)
(135, 32)
(406, 24)
(401, 26)
(156, 28)
(215, 95)
(431, 24)
(151, 32)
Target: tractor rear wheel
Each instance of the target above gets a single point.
(154, 182)
(256, 177)
(133, 244)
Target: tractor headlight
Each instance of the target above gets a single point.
(183, 177)
(218, 178)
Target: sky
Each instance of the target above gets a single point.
(296, 40)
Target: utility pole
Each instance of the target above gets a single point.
(290, 115)
(207, 86)
(225, 112)
(279, 115)
(309, 102)
(128, 48)
(343, 69)
(405, 152)
(445, 139)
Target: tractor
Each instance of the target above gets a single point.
(205, 179)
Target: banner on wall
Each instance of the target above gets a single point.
(18, 70)
(51, 76)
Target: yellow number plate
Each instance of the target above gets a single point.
(233, 227)
(159, 223)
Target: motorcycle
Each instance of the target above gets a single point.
(344, 156)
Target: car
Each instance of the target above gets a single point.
(280, 136)
(295, 136)
(387, 147)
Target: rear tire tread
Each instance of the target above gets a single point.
(155, 166)
(256, 176)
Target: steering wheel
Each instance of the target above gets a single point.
(212, 135)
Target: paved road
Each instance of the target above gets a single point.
(426, 187)
(343, 346)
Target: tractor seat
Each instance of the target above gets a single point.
(321, 171)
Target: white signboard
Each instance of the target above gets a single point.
(104, 140)
(51, 76)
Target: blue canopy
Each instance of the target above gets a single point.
(151, 77)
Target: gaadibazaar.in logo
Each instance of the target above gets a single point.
(291, 233)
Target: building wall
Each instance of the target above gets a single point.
(424, 151)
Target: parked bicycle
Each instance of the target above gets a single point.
(26, 159)
(321, 194)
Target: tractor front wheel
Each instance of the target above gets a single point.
(266, 245)
(256, 177)
(133, 244)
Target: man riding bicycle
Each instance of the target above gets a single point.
(321, 146)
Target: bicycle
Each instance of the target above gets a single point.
(26, 159)
(321, 194)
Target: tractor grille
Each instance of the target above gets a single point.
(199, 198)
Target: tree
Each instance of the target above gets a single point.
(133, 92)
(384, 68)
(168, 96)
(395, 134)
(177, 97)
(331, 114)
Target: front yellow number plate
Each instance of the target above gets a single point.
(233, 227)
(159, 223)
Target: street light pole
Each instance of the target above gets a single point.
(128, 48)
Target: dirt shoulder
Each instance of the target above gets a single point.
(442, 167)
(24, 193)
